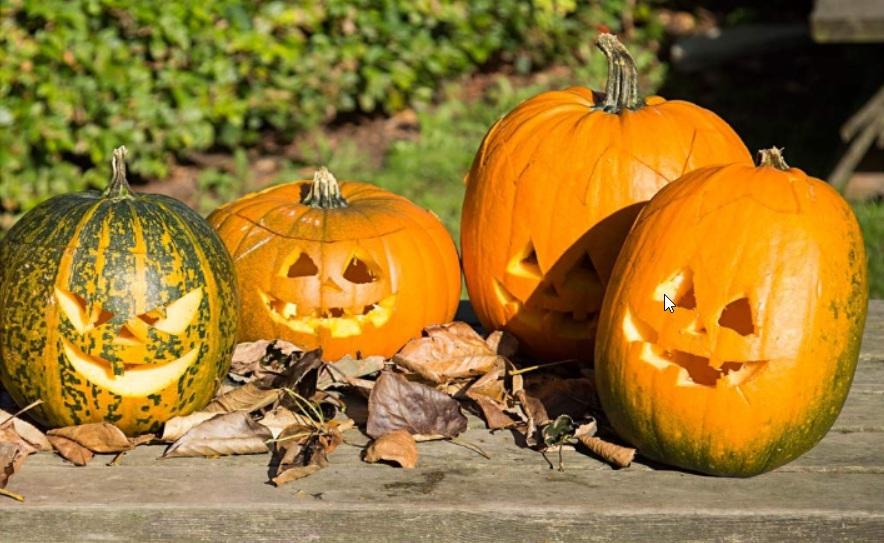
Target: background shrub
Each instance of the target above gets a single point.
(79, 77)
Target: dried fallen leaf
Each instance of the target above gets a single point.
(448, 351)
(397, 403)
(281, 418)
(224, 434)
(26, 431)
(397, 446)
(503, 343)
(495, 417)
(615, 455)
(302, 450)
(70, 450)
(98, 437)
(258, 359)
(249, 397)
(176, 427)
(348, 370)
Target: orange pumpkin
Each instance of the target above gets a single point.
(553, 191)
(347, 267)
(767, 270)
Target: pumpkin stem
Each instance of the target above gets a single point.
(772, 157)
(325, 192)
(621, 89)
(119, 186)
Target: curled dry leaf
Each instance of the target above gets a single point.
(25, 430)
(98, 437)
(248, 398)
(302, 450)
(503, 343)
(176, 427)
(397, 446)
(224, 434)
(281, 418)
(397, 403)
(447, 352)
(495, 417)
(348, 370)
(13, 451)
(70, 450)
(259, 359)
(615, 455)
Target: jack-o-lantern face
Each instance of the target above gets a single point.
(133, 355)
(116, 307)
(343, 299)
(766, 269)
(346, 267)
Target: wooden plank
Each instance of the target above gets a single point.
(833, 493)
(848, 21)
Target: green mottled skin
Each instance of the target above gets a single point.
(129, 255)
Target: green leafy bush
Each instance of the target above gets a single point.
(79, 77)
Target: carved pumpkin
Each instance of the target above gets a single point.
(767, 269)
(350, 268)
(553, 191)
(115, 306)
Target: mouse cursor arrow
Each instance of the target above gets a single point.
(668, 304)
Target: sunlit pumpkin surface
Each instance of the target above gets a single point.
(360, 276)
(118, 307)
(553, 190)
(768, 273)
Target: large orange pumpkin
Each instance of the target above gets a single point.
(767, 269)
(553, 191)
(347, 267)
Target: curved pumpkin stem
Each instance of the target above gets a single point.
(772, 157)
(325, 192)
(119, 185)
(621, 90)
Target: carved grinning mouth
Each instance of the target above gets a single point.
(693, 369)
(340, 321)
(136, 380)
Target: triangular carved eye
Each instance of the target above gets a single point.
(359, 272)
(303, 267)
(74, 308)
(737, 316)
(178, 314)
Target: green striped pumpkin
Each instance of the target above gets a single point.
(115, 306)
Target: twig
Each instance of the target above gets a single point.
(22, 411)
(617, 456)
(471, 446)
(520, 371)
(116, 460)
(13, 495)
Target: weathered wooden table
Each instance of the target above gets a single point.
(835, 492)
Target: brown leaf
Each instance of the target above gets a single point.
(397, 403)
(98, 437)
(446, 352)
(495, 417)
(397, 446)
(535, 417)
(26, 431)
(224, 434)
(503, 343)
(258, 359)
(176, 427)
(302, 450)
(13, 451)
(615, 455)
(559, 396)
(249, 397)
(281, 418)
(348, 370)
(70, 450)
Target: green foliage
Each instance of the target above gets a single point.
(871, 219)
(79, 77)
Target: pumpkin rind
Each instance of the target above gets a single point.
(789, 246)
(417, 274)
(552, 192)
(128, 255)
